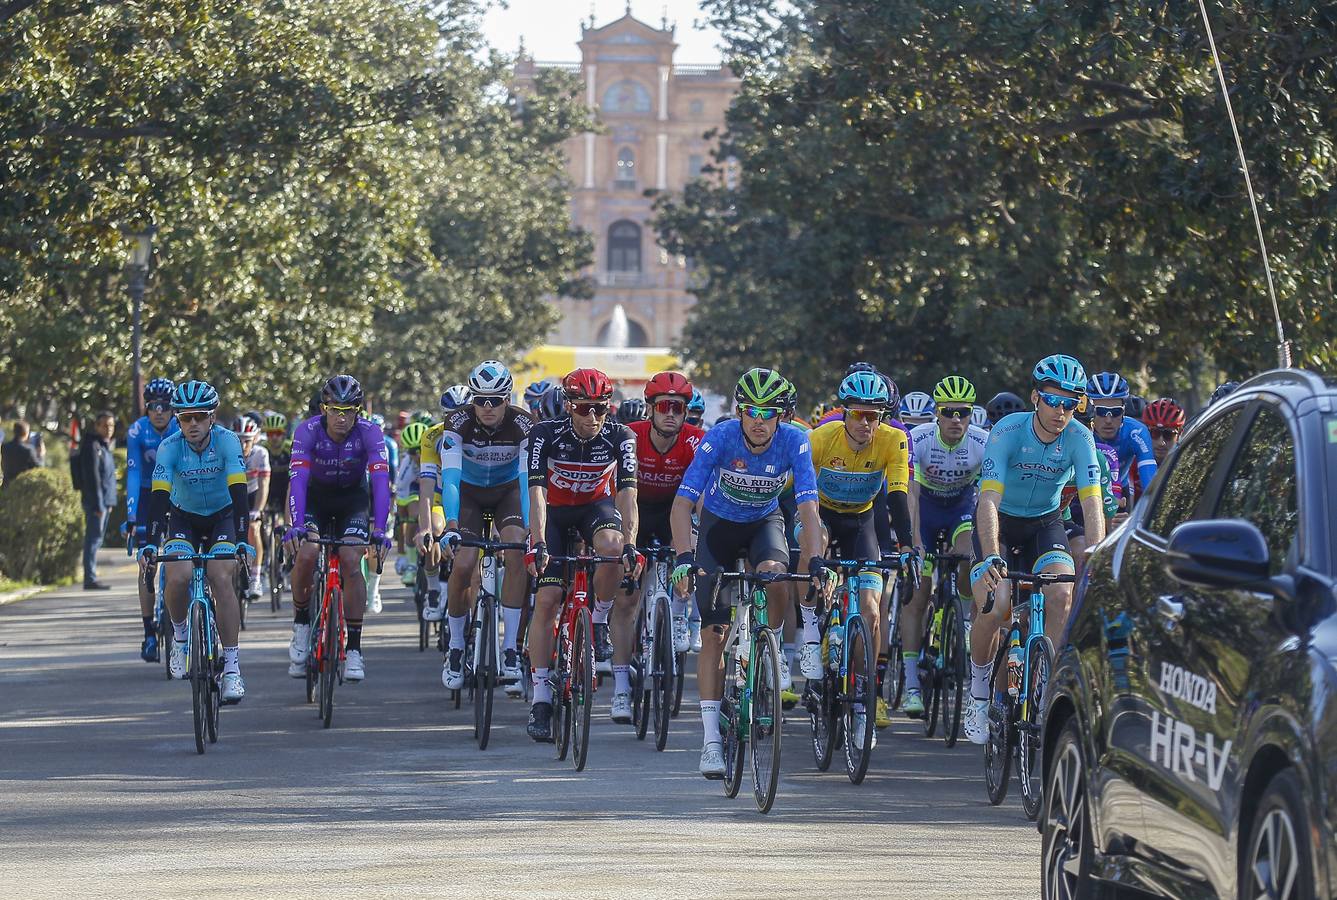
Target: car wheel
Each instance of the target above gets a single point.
(1277, 865)
(1066, 851)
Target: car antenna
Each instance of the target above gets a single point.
(1283, 345)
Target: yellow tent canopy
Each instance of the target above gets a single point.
(631, 364)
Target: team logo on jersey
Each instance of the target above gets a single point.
(739, 465)
(837, 462)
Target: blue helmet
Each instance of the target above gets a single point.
(343, 390)
(1061, 371)
(1107, 386)
(535, 391)
(194, 395)
(916, 405)
(864, 387)
(551, 403)
(159, 389)
(697, 403)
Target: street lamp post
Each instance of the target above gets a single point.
(141, 252)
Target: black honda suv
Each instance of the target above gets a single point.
(1190, 734)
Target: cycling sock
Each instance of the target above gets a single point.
(301, 615)
(179, 632)
(411, 554)
(373, 584)
(456, 631)
(148, 625)
(791, 654)
(911, 661)
(860, 685)
(710, 721)
(431, 573)
(510, 620)
(355, 635)
(601, 610)
(542, 689)
(979, 681)
(230, 663)
(808, 622)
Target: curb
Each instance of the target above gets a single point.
(23, 594)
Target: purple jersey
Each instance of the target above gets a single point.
(318, 458)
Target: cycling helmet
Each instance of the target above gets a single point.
(1224, 391)
(1004, 403)
(194, 395)
(377, 419)
(491, 379)
(247, 428)
(697, 404)
(410, 437)
(761, 387)
(863, 387)
(551, 403)
(669, 384)
(859, 367)
(632, 410)
(1061, 371)
(1163, 413)
(916, 405)
(1135, 407)
(1107, 386)
(342, 390)
(587, 384)
(791, 400)
(158, 389)
(275, 421)
(422, 416)
(979, 417)
(893, 393)
(456, 396)
(954, 389)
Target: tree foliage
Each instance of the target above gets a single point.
(337, 185)
(941, 186)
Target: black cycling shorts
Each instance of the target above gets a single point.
(214, 533)
(338, 512)
(586, 519)
(854, 535)
(653, 524)
(501, 502)
(720, 543)
(1023, 541)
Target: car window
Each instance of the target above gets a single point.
(1192, 469)
(1261, 485)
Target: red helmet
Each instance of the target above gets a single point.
(587, 384)
(668, 384)
(1164, 413)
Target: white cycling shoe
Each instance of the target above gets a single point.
(977, 722)
(300, 644)
(233, 687)
(786, 678)
(810, 660)
(621, 712)
(694, 629)
(682, 635)
(434, 612)
(354, 668)
(375, 603)
(452, 671)
(178, 661)
(860, 723)
(712, 761)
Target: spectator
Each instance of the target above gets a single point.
(17, 455)
(99, 492)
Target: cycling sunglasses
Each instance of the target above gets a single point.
(864, 415)
(341, 410)
(764, 413)
(955, 412)
(668, 405)
(158, 406)
(190, 418)
(490, 402)
(1108, 412)
(1165, 434)
(590, 409)
(1067, 404)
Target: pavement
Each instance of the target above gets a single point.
(103, 795)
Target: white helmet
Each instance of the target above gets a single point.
(456, 395)
(916, 405)
(491, 379)
(979, 417)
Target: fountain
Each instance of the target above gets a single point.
(618, 331)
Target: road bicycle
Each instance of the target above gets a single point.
(1016, 698)
(276, 564)
(655, 668)
(943, 669)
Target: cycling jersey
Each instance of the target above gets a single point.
(743, 486)
(946, 474)
(848, 480)
(1110, 489)
(659, 474)
(1030, 473)
(406, 481)
(257, 467)
(343, 465)
(199, 481)
(463, 450)
(577, 472)
(1133, 443)
(391, 454)
(141, 452)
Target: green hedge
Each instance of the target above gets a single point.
(41, 527)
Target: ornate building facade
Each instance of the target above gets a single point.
(655, 115)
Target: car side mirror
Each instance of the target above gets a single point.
(1222, 553)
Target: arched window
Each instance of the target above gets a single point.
(626, 96)
(624, 247)
(625, 176)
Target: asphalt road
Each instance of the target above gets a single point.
(103, 795)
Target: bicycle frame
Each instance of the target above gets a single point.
(577, 598)
(749, 617)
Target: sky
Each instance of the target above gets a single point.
(551, 28)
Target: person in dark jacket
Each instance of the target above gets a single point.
(17, 455)
(99, 492)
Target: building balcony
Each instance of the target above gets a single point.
(624, 279)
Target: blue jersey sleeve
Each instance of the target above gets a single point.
(805, 477)
(993, 470)
(703, 464)
(1139, 439)
(134, 468)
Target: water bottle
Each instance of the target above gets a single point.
(1015, 661)
(835, 640)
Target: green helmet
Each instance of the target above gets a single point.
(762, 387)
(954, 389)
(410, 437)
(275, 421)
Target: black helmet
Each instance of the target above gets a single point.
(343, 390)
(859, 367)
(1134, 407)
(631, 410)
(1003, 404)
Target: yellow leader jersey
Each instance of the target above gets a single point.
(848, 481)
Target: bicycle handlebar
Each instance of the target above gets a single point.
(487, 546)
(1040, 578)
(381, 549)
(849, 565)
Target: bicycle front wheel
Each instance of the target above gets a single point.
(485, 671)
(1039, 664)
(561, 698)
(859, 748)
(663, 674)
(641, 661)
(954, 670)
(199, 676)
(582, 688)
(766, 721)
(732, 715)
(998, 748)
(329, 666)
(274, 560)
(681, 669)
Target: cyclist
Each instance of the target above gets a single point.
(141, 450)
(665, 445)
(406, 500)
(696, 409)
(333, 458)
(1028, 460)
(552, 405)
(916, 408)
(582, 476)
(1137, 462)
(280, 453)
(1165, 419)
(948, 454)
(979, 417)
(737, 475)
(856, 459)
(1004, 403)
(198, 500)
(477, 456)
(256, 457)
